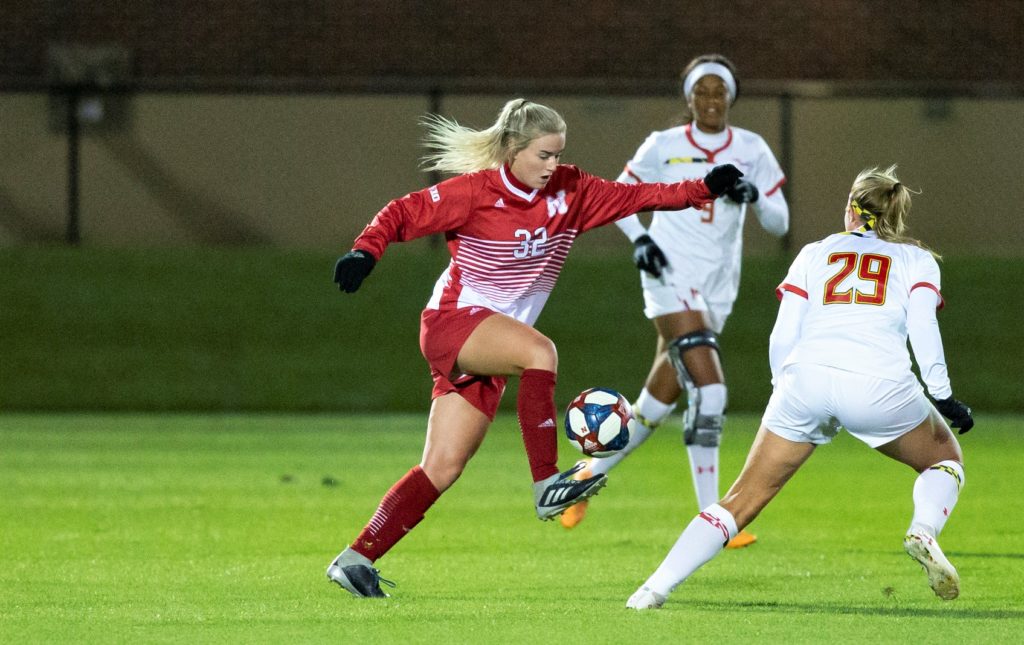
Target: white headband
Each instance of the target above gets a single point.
(714, 69)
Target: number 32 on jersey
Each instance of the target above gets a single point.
(870, 267)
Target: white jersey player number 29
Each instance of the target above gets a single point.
(870, 267)
(532, 245)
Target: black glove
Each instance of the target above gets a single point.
(743, 192)
(648, 256)
(958, 413)
(351, 269)
(722, 178)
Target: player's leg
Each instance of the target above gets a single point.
(772, 461)
(655, 403)
(692, 349)
(455, 430)
(501, 345)
(932, 450)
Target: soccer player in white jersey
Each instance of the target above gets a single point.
(690, 268)
(509, 220)
(839, 359)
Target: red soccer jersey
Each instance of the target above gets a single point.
(508, 242)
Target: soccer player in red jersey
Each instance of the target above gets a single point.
(509, 217)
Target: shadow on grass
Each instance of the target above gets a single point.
(910, 612)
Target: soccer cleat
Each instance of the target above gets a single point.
(741, 540)
(558, 492)
(358, 579)
(645, 598)
(575, 513)
(942, 577)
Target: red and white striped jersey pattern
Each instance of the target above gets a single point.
(858, 290)
(509, 242)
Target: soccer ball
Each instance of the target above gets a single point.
(599, 422)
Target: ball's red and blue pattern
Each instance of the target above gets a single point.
(599, 422)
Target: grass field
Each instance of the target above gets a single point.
(208, 528)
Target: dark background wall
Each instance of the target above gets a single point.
(602, 41)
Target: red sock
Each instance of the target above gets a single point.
(401, 509)
(537, 420)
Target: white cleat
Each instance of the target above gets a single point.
(645, 598)
(942, 576)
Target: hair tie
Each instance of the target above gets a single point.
(864, 214)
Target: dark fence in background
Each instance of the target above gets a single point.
(97, 62)
(611, 43)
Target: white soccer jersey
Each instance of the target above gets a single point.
(858, 290)
(704, 246)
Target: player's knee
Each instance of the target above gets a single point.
(680, 346)
(442, 472)
(540, 354)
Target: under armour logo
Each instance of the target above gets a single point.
(557, 205)
(500, 203)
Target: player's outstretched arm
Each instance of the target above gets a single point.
(352, 268)
(923, 330)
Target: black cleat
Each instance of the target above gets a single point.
(557, 493)
(358, 579)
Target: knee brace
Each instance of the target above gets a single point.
(683, 344)
(702, 429)
(698, 429)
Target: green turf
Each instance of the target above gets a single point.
(193, 528)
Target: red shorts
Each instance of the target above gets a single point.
(442, 335)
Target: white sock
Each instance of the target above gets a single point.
(647, 408)
(349, 556)
(704, 468)
(710, 400)
(935, 493)
(702, 539)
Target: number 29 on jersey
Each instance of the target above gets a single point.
(871, 268)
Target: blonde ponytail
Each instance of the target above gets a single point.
(885, 202)
(458, 149)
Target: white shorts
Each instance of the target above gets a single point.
(670, 294)
(811, 402)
